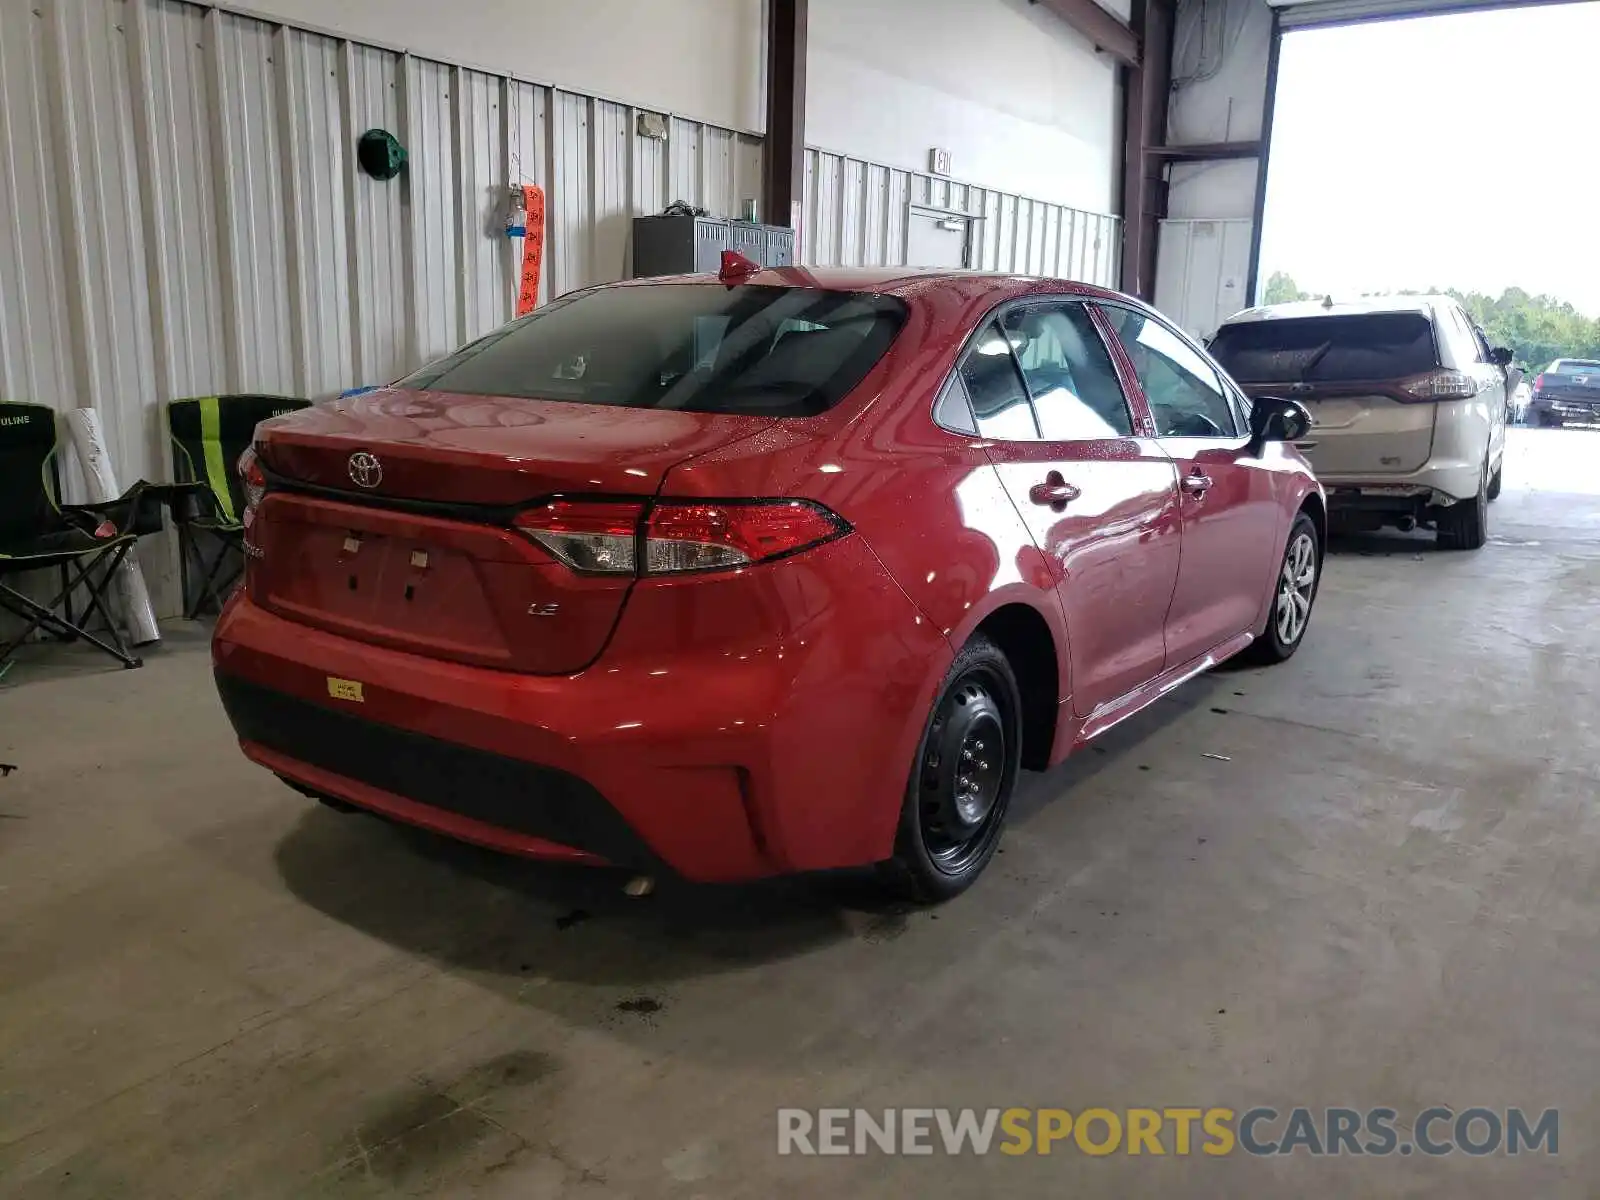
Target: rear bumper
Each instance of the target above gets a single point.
(1437, 483)
(702, 741)
(1567, 409)
(410, 776)
(1454, 472)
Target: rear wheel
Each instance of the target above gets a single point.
(1465, 524)
(1494, 482)
(961, 782)
(1295, 590)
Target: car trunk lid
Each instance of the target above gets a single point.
(1577, 384)
(487, 450)
(390, 520)
(1347, 369)
(1359, 430)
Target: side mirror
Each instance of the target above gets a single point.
(1274, 419)
(1500, 356)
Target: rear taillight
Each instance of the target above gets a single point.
(1538, 383)
(596, 538)
(255, 484)
(606, 538)
(708, 537)
(1441, 385)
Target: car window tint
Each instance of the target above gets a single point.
(1185, 393)
(760, 351)
(1076, 394)
(952, 411)
(999, 400)
(1336, 349)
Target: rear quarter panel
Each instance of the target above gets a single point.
(927, 502)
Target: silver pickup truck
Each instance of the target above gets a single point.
(1567, 390)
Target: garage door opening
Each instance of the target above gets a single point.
(1443, 154)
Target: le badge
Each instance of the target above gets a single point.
(345, 689)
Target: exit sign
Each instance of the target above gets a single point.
(939, 161)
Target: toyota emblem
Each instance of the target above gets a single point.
(365, 469)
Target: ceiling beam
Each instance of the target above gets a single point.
(1104, 28)
(1206, 151)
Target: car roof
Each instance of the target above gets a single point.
(897, 281)
(1426, 306)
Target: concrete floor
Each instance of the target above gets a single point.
(1389, 894)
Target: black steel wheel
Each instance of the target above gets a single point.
(961, 783)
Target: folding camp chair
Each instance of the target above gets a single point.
(86, 543)
(208, 436)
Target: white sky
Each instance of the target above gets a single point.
(1459, 151)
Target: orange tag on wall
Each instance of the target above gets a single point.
(532, 248)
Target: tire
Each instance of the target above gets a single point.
(962, 779)
(1299, 576)
(1494, 482)
(1465, 524)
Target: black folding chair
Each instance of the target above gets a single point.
(85, 543)
(209, 434)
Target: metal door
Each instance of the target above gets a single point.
(933, 241)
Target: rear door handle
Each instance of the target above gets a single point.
(1197, 484)
(1054, 491)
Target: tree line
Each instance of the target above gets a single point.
(1538, 329)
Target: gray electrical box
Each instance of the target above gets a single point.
(780, 247)
(684, 245)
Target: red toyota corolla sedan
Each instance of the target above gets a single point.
(759, 573)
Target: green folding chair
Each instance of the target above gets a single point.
(84, 543)
(209, 433)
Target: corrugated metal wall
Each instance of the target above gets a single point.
(181, 212)
(855, 214)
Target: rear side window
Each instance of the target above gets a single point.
(999, 398)
(1369, 346)
(1076, 395)
(758, 351)
(954, 411)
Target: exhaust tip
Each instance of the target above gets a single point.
(337, 805)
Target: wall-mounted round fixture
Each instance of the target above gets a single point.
(380, 154)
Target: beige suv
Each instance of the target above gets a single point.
(1408, 403)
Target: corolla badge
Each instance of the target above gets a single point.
(365, 469)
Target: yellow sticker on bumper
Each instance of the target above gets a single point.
(345, 689)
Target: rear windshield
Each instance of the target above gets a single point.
(1327, 349)
(1574, 366)
(762, 351)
